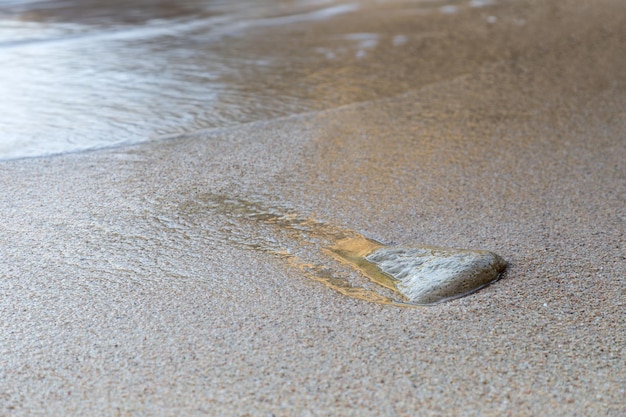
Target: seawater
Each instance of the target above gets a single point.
(78, 75)
(82, 75)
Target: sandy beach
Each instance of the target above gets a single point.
(152, 279)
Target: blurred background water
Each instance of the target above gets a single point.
(77, 75)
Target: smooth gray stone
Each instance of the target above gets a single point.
(430, 275)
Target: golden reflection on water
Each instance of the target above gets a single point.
(325, 276)
(324, 253)
(353, 252)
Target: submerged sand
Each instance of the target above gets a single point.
(126, 290)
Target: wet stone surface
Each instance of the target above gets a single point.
(430, 275)
(421, 275)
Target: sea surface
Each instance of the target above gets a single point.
(81, 75)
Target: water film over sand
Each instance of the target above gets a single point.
(396, 275)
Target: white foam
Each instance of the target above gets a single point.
(481, 3)
(399, 40)
(449, 9)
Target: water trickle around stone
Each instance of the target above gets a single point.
(342, 259)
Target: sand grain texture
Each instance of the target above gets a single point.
(118, 299)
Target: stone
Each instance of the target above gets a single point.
(429, 275)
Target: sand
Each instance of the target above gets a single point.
(127, 290)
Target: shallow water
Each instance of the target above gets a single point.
(79, 75)
(341, 259)
(304, 243)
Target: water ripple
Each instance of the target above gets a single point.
(86, 75)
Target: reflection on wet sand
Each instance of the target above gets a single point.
(305, 243)
(311, 246)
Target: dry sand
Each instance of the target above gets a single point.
(124, 291)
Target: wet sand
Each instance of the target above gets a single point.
(129, 289)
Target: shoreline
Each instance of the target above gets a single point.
(127, 288)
